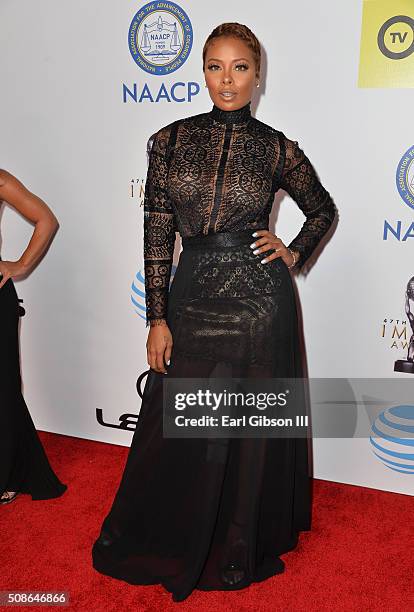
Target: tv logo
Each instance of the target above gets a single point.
(387, 44)
(396, 37)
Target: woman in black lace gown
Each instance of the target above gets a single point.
(24, 466)
(216, 513)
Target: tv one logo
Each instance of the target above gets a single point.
(387, 44)
(396, 37)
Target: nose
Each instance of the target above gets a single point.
(227, 77)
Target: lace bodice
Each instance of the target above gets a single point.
(218, 172)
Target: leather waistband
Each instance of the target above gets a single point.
(221, 239)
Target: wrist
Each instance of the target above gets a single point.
(157, 322)
(295, 257)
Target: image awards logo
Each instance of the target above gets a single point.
(387, 44)
(407, 365)
(160, 37)
(392, 438)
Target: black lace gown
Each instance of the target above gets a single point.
(24, 466)
(201, 513)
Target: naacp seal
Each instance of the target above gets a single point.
(160, 37)
(405, 177)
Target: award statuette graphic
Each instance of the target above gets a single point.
(407, 365)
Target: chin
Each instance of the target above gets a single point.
(222, 101)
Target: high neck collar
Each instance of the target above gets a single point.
(241, 115)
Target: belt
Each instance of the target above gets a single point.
(221, 239)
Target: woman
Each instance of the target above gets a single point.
(24, 467)
(216, 513)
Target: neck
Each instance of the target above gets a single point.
(240, 115)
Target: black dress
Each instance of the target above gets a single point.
(24, 466)
(215, 513)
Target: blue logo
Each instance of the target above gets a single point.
(160, 37)
(393, 443)
(405, 177)
(138, 292)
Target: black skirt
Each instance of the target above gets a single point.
(204, 513)
(24, 466)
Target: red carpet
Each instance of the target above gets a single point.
(358, 557)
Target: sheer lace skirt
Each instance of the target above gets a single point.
(213, 513)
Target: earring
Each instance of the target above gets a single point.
(257, 84)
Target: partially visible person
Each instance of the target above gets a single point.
(24, 467)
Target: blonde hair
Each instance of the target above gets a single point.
(240, 31)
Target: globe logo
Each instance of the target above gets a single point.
(393, 438)
(138, 292)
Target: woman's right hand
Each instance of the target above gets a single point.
(11, 269)
(159, 347)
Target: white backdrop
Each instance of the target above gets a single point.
(67, 133)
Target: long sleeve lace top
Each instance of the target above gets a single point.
(216, 172)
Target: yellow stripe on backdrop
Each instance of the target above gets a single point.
(387, 44)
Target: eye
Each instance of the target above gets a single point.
(213, 66)
(244, 66)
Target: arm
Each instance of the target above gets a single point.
(159, 232)
(300, 181)
(33, 209)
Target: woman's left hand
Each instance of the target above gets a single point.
(265, 241)
(10, 269)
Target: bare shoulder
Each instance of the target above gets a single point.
(5, 177)
(10, 183)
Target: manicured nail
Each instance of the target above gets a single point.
(263, 260)
(254, 234)
(253, 244)
(256, 251)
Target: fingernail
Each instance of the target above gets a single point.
(256, 251)
(263, 260)
(254, 234)
(168, 362)
(253, 244)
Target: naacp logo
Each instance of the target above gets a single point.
(396, 37)
(160, 37)
(405, 177)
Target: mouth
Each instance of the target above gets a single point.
(228, 95)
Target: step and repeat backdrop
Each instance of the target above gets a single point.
(84, 85)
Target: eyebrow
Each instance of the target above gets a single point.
(235, 60)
